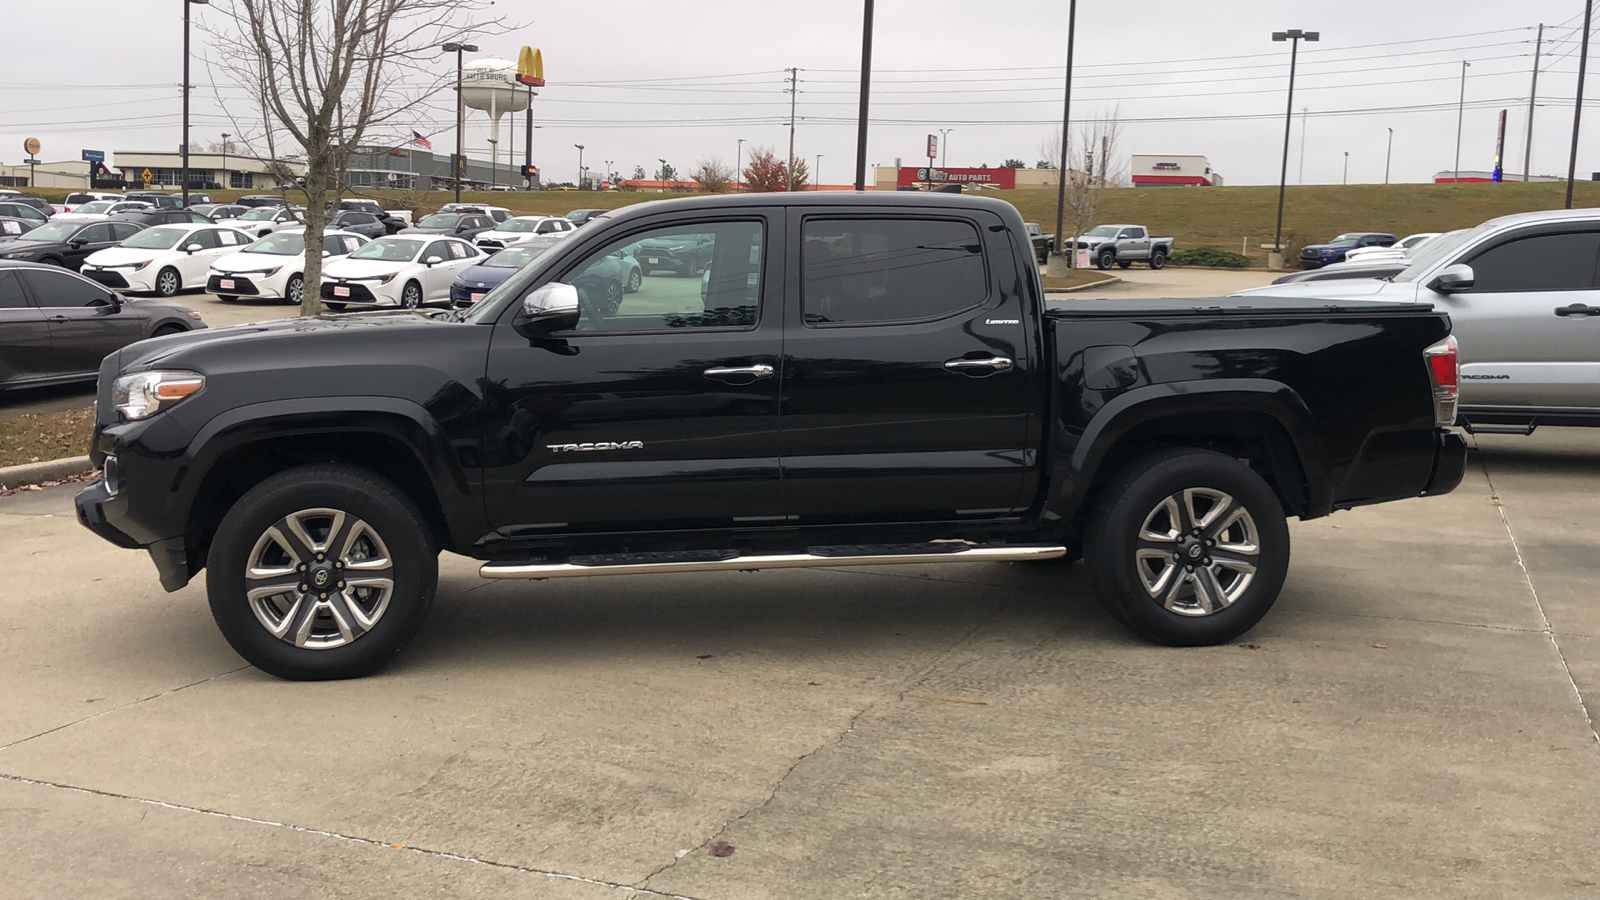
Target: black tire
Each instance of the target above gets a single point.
(1158, 258)
(403, 539)
(612, 301)
(334, 305)
(227, 298)
(54, 261)
(294, 289)
(1136, 496)
(411, 295)
(1124, 263)
(168, 287)
(165, 330)
(1105, 258)
(635, 281)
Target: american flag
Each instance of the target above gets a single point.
(420, 141)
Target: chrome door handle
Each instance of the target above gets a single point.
(751, 372)
(993, 364)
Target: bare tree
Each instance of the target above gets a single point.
(331, 76)
(713, 175)
(1096, 148)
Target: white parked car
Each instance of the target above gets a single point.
(403, 270)
(79, 198)
(520, 228)
(274, 266)
(163, 260)
(1401, 249)
(100, 210)
(260, 221)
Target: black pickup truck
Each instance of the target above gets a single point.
(857, 380)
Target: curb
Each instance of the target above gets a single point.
(1109, 280)
(49, 470)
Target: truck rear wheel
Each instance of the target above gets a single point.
(1106, 258)
(1187, 547)
(1158, 258)
(321, 572)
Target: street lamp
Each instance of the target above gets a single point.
(225, 182)
(458, 165)
(1294, 36)
(738, 156)
(185, 175)
(662, 172)
(944, 146)
(816, 175)
(1386, 155)
(1461, 108)
(1346, 178)
(580, 165)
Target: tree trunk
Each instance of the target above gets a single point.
(317, 171)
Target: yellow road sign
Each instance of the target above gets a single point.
(530, 67)
(148, 176)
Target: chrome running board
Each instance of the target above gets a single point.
(973, 553)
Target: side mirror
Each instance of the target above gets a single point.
(326, 253)
(193, 248)
(550, 308)
(1453, 279)
(75, 243)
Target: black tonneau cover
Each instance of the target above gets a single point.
(1230, 306)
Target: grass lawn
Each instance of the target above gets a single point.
(39, 438)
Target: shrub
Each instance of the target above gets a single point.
(1210, 256)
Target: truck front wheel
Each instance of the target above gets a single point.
(1106, 258)
(321, 572)
(1187, 547)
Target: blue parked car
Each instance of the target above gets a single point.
(1315, 256)
(475, 281)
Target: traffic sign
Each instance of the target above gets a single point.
(98, 156)
(933, 146)
(148, 176)
(32, 146)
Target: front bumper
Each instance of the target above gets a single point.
(135, 280)
(98, 508)
(365, 293)
(1449, 462)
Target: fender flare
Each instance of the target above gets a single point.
(1078, 471)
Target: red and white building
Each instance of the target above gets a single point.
(1152, 170)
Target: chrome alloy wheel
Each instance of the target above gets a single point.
(319, 578)
(1197, 551)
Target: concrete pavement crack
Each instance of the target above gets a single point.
(106, 712)
(351, 838)
(1533, 591)
(899, 696)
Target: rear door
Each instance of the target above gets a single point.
(1134, 243)
(24, 334)
(908, 384)
(1529, 329)
(86, 324)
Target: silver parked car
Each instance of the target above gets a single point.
(1523, 295)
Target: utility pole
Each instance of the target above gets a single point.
(226, 181)
(866, 96)
(738, 173)
(1294, 36)
(1461, 107)
(944, 147)
(1301, 178)
(1346, 178)
(580, 166)
(1577, 108)
(1386, 156)
(1064, 258)
(1533, 93)
(816, 175)
(794, 94)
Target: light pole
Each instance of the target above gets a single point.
(816, 175)
(185, 175)
(1386, 155)
(1577, 108)
(458, 165)
(1063, 260)
(738, 173)
(1461, 108)
(662, 172)
(608, 173)
(225, 182)
(866, 94)
(1294, 36)
(1346, 178)
(944, 147)
(494, 161)
(580, 165)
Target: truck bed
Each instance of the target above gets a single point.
(1276, 307)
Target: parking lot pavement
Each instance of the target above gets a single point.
(1402, 724)
(1143, 282)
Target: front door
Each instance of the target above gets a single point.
(86, 324)
(1529, 329)
(660, 410)
(908, 387)
(24, 335)
(91, 239)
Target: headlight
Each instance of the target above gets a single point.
(19, 255)
(143, 394)
(387, 278)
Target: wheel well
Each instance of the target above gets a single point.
(1257, 439)
(244, 467)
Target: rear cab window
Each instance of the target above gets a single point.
(879, 271)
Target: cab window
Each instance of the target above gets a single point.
(702, 276)
(878, 271)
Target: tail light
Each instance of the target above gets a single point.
(1444, 367)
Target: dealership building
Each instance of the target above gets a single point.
(1155, 170)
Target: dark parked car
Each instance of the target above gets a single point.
(362, 223)
(12, 228)
(261, 200)
(216, 212)
(391, 223)
(585, 216)
(1345, 270)
(67, 243)
(891, 389)
(462, 225)
(684, 254)
(56, 326)
(150, 218)
(34, 203)
(13, 210)
(476, 281)
(159, 199)
(1315, 256)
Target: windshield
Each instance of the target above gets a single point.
(518, 225)
(98, 206)
(164, 238)
(260, 214)
(578, 214)
(391, 250)
(439, 221)
(514, 258)
(55, 231)
(1103, 231)
(279, 243)
(1440, 248)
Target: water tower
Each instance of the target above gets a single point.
(491, 85)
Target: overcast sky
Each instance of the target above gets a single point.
(637, 81)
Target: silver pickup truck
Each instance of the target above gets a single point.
(1524, 297)
(1124, 245)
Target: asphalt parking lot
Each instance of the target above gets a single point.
(1408, 722)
